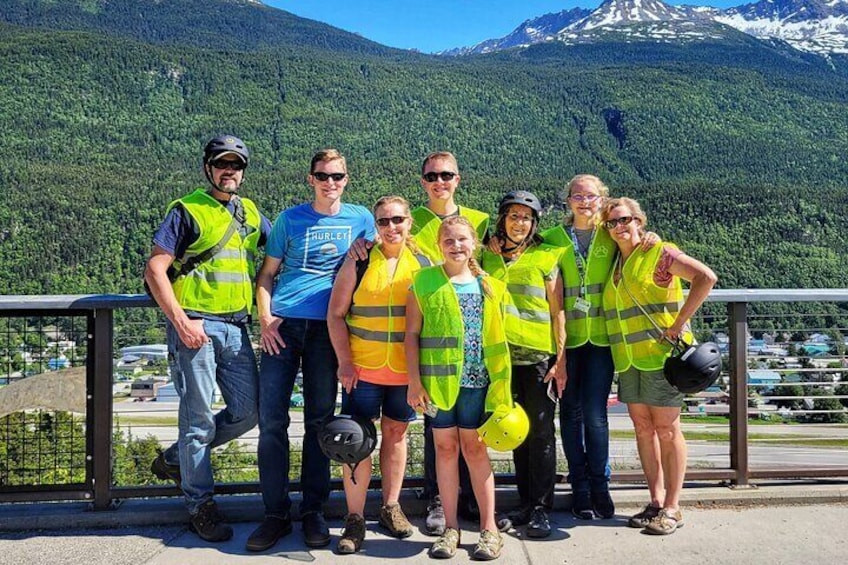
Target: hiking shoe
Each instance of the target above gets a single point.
(489, 547)
(268, 533)
(521, 516)
(393, 519)
(208, 524)
(582, 506)
(445, 546)
(353, 534)
(164, 471)
(643, 518)
(315, 530)
(664, 523)
(434, 525)
(539, 525)
(603, 505)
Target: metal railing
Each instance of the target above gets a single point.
(98, 312)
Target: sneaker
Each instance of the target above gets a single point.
(521, 516)
(539, 525)
(603, 505)
(445, 546)
(582, 507)
(315, 530)
(268, 533)
(467, 508)
(208, 524)
(643, 518)
(664, 523)
(434, 525)
(164, 471)
(353, 534)
(393, 519)
(489, 547)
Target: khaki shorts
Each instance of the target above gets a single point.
(647, 387)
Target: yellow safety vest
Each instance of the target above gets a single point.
(528, 317)
(425, 229)
(223, 284)
(443, 335)
(580, 326)
(632, 336)
(377, 317)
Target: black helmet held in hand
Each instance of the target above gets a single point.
(523, 197)
(222, 144)
(693, 368)
(347, 439)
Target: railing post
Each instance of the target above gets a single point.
(99, 405)
(738, 323)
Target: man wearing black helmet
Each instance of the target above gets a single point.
(200, 274)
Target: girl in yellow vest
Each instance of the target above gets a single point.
(585, 264)
(650, 281)
(535, 331)
(366, 320)
(459, 365)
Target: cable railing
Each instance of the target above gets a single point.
(85, 401)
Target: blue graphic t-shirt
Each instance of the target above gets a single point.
(474, 374)
(312, 247)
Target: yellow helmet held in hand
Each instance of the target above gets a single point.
(506, 428)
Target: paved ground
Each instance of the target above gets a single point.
(775, 524)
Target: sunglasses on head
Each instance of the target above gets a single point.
(323, 177)
(622, 221)
(433, 177)
(396, 220)
(232, 165)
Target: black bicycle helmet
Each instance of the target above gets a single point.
(225, 144)
(347, 439)
(524, 197)
(693, 368)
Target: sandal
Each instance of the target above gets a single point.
(665, 523)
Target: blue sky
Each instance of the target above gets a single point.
(436, 25)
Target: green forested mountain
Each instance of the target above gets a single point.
(737, 150)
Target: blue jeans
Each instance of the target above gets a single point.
(583, 417)
(308, 348)
(228, 360)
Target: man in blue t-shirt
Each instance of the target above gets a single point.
(306, 248)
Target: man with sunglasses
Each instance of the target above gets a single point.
(200, 274)
(305, 251)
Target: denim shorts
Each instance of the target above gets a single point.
(367, 400)
(647, 387)
(467, 413)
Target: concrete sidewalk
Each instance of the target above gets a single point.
(769, 525)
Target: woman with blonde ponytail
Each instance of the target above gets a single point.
(454, 312)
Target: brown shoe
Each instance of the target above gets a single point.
(643, 518)
(445, 546)
(353, 534)
(393, 519)
(489, 547)
(666, 522)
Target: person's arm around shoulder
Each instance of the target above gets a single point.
(416, 396)
(269, 338)
(340, 301)
(701, 280)
(554, 290)
(156, 275)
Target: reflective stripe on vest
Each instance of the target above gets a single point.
(528, 317)
(632, 336)
(377, 318)
(425, 228)
(581, 328)
(441, 341)
(222, 285)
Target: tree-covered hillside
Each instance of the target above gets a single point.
(740, 164)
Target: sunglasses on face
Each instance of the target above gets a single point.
(584, 197)
(232, 165)
(622, 221)
(444, 175)
(323, 177)
(396, 220)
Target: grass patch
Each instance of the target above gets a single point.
(146, 420)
